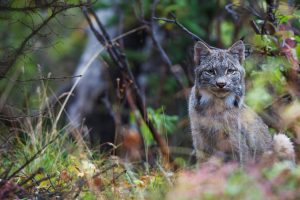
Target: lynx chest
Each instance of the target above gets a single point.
(216, 125)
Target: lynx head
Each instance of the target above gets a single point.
(219, 72)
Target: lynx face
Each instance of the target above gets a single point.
(219, 71)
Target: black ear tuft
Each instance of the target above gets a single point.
(238, 50)
(200, 50)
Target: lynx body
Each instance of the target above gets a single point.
(220, 122)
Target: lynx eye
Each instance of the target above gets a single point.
(210, 72)
(230, 71)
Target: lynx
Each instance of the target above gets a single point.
(221, 124)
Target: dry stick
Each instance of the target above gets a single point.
(163, 54)
(128, 75)
(115, 53)
(86, 67)
(119, 59)
(53, 99)
(42, 79)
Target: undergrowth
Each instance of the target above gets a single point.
(46, 163)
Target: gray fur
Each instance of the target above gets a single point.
(220, 122)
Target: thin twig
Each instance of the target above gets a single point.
(174, 21)
(43, 79)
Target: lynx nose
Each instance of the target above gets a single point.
(221, 84)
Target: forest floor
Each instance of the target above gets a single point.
(51, 166)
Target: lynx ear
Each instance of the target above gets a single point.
(200, 50)
(238, 50)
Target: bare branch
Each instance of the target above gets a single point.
(193, 36)
(120, 60)
(55, 8)
(163, 54)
